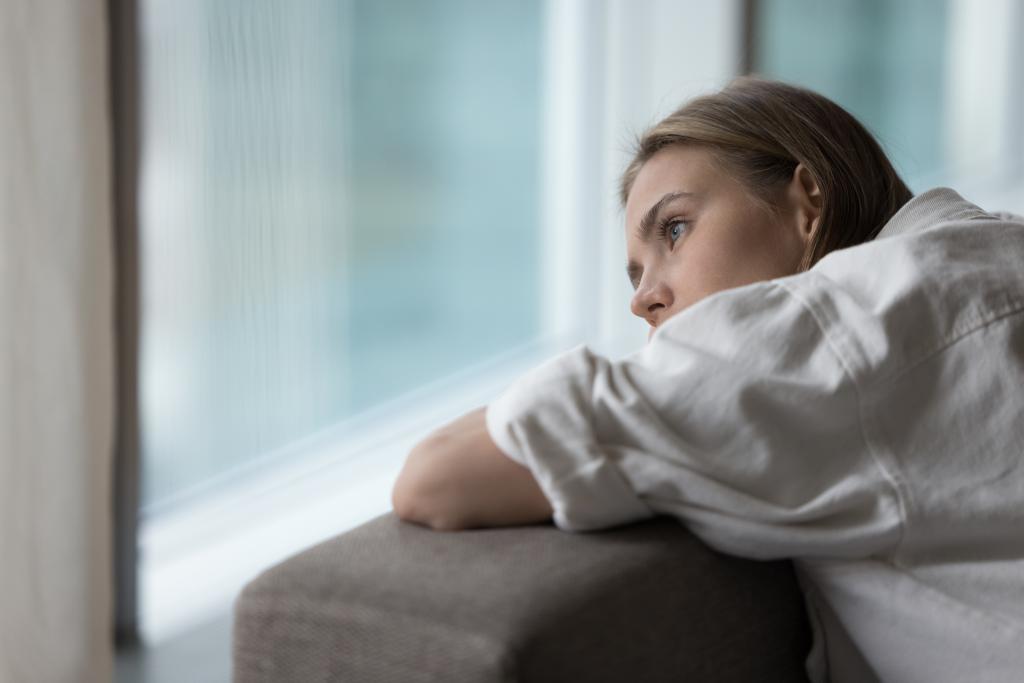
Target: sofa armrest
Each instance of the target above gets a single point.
(394, 601)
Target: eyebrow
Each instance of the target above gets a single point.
(646, 227)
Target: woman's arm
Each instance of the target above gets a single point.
(457, 478)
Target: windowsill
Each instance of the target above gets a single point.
(195, 557)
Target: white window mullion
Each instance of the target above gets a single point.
(979, 121)
(570, 243)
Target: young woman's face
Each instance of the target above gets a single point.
(693, 230)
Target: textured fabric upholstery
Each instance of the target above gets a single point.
(393, 601)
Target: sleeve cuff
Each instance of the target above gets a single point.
(542, 421)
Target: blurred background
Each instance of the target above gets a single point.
(337, 224)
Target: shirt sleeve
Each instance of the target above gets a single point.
(738, 418)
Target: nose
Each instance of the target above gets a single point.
(651, 299)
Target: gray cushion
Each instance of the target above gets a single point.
(394, 601)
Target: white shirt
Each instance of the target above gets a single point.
(865, 418)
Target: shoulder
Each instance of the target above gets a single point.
(901, 296)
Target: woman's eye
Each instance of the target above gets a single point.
(673, 230)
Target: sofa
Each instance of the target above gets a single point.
(394, 601)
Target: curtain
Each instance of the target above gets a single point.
(56, 362)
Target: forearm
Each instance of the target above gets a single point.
(457, 478)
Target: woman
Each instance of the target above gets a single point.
(833, 374)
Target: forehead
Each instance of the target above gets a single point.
(676, 168)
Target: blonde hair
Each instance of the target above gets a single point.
(761, 129)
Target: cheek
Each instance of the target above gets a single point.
(695, 273)
(711, 265)
(731, 259)
(748, 252)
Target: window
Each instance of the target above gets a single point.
(340, 203)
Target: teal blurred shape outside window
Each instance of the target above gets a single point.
(445, 213)
(882, 60)
(339, 203)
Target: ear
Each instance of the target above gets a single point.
(805, 197)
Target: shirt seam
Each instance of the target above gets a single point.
(958, 333)
(893, 480)
(948, 598)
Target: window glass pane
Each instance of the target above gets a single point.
(445, 107)
(883, 61)
(339, 202)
